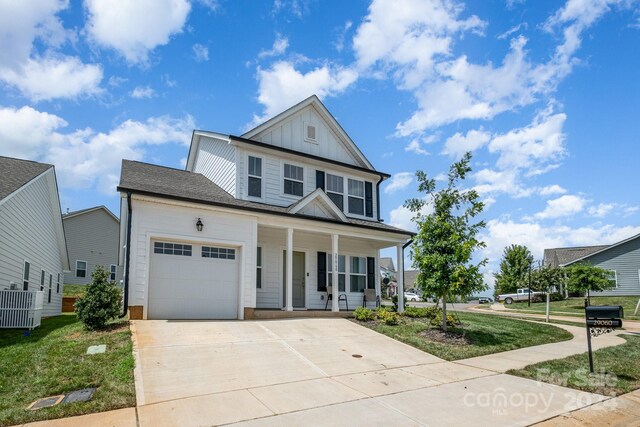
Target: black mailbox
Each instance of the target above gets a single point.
(604, 312)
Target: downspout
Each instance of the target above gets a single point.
(378, 198)
(127, 258)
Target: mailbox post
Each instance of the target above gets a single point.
(601, 319)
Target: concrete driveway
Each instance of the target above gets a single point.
(320, 371)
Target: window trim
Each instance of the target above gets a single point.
(86, 265)
(615, 275)
(210, 253)
(305, 130)
(113, 272)
(261, 177)
(351, 273)
(259, 267)
(349, 195)
(283, 178)
(326, 186)
(26, 270)
(163, 248)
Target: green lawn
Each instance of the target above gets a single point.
(617, 370)
(74, 290)
(53, 361)
(575, 306)
(484, 334)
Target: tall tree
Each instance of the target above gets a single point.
(514, 267)
(443, 248)
(584, 277)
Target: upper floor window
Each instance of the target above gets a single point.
(335, 190)
(81, 268)
(293, 180)
(356, 197)
(255, 177)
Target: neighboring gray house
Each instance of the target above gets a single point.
(387, 268)
(622, 259)
(92, 239)
(33, 253)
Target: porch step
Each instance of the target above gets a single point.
(281, 314)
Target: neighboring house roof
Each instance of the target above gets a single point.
(410, 277)
(558, 257)
(599, 249)
(314, 101)
(87, 210)
(16, 173)
(387, 264)
(176, 184)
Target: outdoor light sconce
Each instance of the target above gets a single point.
(199, 224)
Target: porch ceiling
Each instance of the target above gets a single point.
(320, 239)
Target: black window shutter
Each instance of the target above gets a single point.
(368, 199)
(371, 273)
(320, 179)
(322, 271)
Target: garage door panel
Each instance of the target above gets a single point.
(193, 287)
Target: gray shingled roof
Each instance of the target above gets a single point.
(560, 256)
(16, 173)
(177, 184)
(387, 264)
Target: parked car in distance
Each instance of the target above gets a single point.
(412, 296)
(485, 300)
(521, 295)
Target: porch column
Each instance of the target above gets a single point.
(335, 306)
(400, 277)
(289, 306)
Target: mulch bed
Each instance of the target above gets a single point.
(452, 338)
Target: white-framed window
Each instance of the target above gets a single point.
(356, 196)
(310, 132)
(293, 180)
(613, 275)
(42, 274)
(58, 284)
(342, 277)
(25, 276)
(172, 248)
(50, 288)
(113, 270)
(218, 253)
(81, 268)
(254, 179)
(259, 268)
(335, 189)
(358, 274)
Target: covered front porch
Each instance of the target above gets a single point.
(319, 269)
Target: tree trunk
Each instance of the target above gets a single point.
(444, 312)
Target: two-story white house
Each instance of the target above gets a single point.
(266, 220)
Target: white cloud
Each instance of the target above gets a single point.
(551, 190)
(200, 52)
(280, 45)
(398, 182)
(416, 147)
(282, 86)
(96, 155)
(142, 92)
(298, 8)
(339, 44)
(563, 206)
(402, 217)
(47, 75)
(134, 28)
(601, 210)
(630, 210)
(458, 144)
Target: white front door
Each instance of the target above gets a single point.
(192, 281)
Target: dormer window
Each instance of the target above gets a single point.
(310, 133)
(293, 180)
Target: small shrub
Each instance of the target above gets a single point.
(557, 296)
(387, 316)
(392, 320)
(363, 314)
(414, 312)
(437, 320)
(100, 303)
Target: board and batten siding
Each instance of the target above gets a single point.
(92, 237)
(273, 243)
(28, 231)
(216, 159)
(625, 260)
(290, 133)
(166, 221)
(273, 178)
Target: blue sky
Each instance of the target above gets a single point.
(545, 94)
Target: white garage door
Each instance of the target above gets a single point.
(190, 281)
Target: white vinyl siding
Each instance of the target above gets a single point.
(216, 159)
(356, 197)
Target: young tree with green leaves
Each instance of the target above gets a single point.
(514, 268)
(101, 302)
(443, 248)
(584, 277)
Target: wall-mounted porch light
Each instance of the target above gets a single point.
(199, 224)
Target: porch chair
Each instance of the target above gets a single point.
(370, 295)
(341, 297)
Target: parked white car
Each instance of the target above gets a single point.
(521, 295)
(412, 296)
